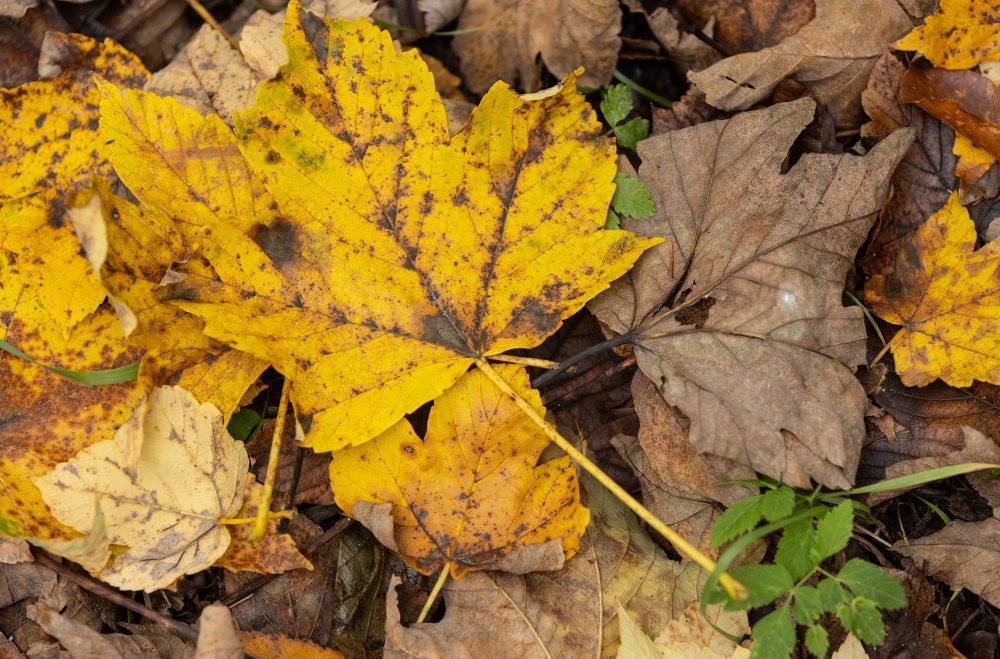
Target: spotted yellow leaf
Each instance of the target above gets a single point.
(946, 295)
(397, 256)
(470, 493)
(960, 35)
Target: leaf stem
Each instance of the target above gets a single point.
(545, 378)
(445, 569)
(264, 504)
(524, 361)
(640, 90)
(736, 590)
(208, 18)
(880, 355)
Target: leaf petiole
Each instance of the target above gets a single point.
(264, 504)
(438, 585)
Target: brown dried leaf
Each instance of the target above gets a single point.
(687, 111)
(511, 35)
(746, 25)
(922, 182)
(967, 101)
(964, 554)
(676, 480)
(907, 631)
(754, 270)
(217, 635)
(818, 56)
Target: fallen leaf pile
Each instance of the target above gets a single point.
(393, 215)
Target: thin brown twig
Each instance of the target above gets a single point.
(99, 589)
(208, 18)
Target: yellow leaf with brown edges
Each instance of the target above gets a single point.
(946, 295)
(164, 482)
(470, 494)
(50, 301)
(396, 256)
(258, 644)
(960, 35)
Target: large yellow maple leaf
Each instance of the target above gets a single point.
(946, 295)
(469, 494)
(395, 257)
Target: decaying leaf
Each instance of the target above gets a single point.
(164, 482)
(389, 246)
(946, 296)
(960, 35)
(752, 277)
(275, 553)
(965, 100)
(818, 56)
(217, 635)
(470, 494)
(746, 25)
(679, 486)
(511, 36)
(964, 554)
(569, 613)
(257, 644)
(691, 637)
(922, 181)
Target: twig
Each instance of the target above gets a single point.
(264, 503)
(208, 18)
(438, 585)
(88, 583)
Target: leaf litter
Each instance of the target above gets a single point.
(325, 214)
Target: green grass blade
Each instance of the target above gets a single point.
(108, 376)
(920, 478)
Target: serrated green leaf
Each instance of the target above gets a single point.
(832, 594)
(808, 605)
(862, 617)
(793, 548)
(616, 104)
(765, 582)
(773, 636)
(872, 583)
(632, 197)
(631, 133)
(612, 222)
(738, 519)
(817, 641)
(833, 532)
(777, 504)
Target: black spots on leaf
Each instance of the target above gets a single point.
(272, 157)
(40, 119)
(55, 214)
(265, 123)
(697, 313)
(297, 302)
(460, 198)
(279, 242)
(426, 203)
(247, 294)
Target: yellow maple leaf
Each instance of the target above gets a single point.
(399, 256)
(946, 295)
(164, 482)
(469, 494)
(960, 35)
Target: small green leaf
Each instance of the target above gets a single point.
(773, 636)
(244, 424)
(833, 532)
(794, 546)
(808, 605)
(862, 618)
(612, 222)
(738, 519)
(817, 641)
(632, 197)
(616, 104)
(832, 594)
(631, 133)
(777, 504)
(872, 583)
(766, 583)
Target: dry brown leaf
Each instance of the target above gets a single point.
(745, 25)
(964, 554)
(14, 550)
(922, 181)
(511, 35)
(685, 51)
(676, 481)
(818, 56)
(570, 613)
(687, 111)
(275, 553)
(907, 631)
(754, 268)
